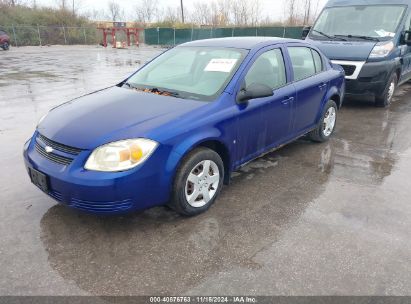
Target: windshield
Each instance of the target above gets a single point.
(360, 21)
(200, 73)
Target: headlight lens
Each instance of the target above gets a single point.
(121, 155)
(382, 49)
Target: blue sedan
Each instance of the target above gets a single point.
(174, 131)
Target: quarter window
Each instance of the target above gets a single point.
(302, 61)
(268, 69)
(317, 61)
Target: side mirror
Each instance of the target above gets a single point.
(255, 90)
(306, 31)
(406, 37)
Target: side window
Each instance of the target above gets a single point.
(317, 61)
(268, 69)
(302, 61)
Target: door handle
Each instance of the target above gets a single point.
(287, 100)
(322, 86)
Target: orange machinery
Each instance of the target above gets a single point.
(110, 28)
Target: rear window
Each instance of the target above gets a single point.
(2, 33)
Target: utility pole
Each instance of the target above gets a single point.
(73, 7)
(182, 11)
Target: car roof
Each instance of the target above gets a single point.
(240, 42)
(331, 3)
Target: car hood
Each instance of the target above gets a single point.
(111, 114)
(345, 50)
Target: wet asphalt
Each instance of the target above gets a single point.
(309, 219)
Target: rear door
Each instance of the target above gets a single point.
(311, 83)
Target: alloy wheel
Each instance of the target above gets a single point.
(329, 121)
(202, 183)
(391, 91)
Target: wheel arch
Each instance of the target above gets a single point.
(221, 149)
(337, 99)
(334, 94)
(398, 71)
(211, 142)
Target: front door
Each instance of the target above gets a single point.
(406, 54)
(265, 122)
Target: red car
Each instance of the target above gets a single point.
(4, 40)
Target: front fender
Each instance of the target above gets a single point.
(196, 139)
(188, 144)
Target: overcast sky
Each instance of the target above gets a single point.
(273, 8)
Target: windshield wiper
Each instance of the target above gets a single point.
(360, 37)
(333, 37)
(129, 85)
(161, 92)
(153, 91)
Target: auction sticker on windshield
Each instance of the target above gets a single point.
(220, 65)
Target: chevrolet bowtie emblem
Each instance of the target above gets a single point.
(48, 149)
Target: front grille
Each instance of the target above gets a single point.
(102, 207)
(42, 141)
(349, 69)
(52, 156)
(57, 146)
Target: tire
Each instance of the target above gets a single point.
(6, 46)
(190, 182)
(385, 99)
(326, 126)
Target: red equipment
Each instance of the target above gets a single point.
(120, 26)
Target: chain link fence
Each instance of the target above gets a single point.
(172, 36)
(38, 35)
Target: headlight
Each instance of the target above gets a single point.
(382, 49)
(121, 155)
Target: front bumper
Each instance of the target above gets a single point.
(102, 192)
(357, 88)
(372, 79)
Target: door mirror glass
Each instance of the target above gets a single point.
(253, 91)
(306, 31)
